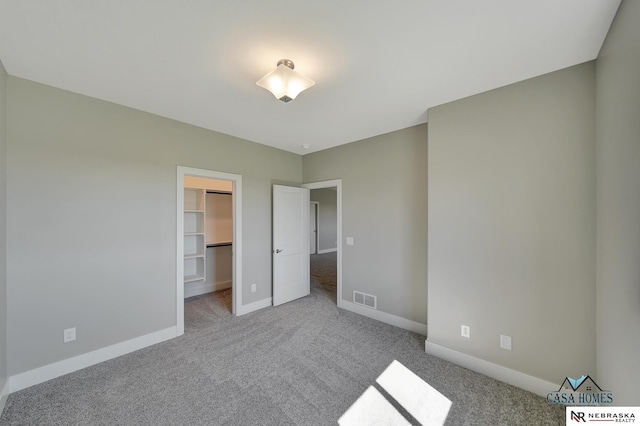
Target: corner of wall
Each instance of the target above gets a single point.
(3, 238)
(618, 207)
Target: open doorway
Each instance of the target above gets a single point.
(313, 226)
(208, 241)
(326, 262)
(209, 237)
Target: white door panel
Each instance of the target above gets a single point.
(291, 279)
(290, 243)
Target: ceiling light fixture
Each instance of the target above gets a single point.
(284, 82)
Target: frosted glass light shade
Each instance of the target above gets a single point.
(285, 83)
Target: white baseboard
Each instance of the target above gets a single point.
(504, 374)
(198, 288)
(66, 366)
(252, 307)
(394, 320)
(331, 250)
(4, 393)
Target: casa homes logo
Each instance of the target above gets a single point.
(582, 391)
(580, 415)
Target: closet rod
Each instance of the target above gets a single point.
(219, 244)
(219, 192)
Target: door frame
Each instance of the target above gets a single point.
(336, 183)
(237, 238)
(316, 206)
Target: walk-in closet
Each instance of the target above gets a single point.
(208, 235)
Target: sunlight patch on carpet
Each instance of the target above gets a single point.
(424, 403)
(372, 409)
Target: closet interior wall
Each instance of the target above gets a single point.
(219, 238)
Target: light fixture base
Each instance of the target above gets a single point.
(286, 62)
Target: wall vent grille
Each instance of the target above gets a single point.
(364, 299)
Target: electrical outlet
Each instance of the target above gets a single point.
(465, 331)
(69, 335)
(505, 342)
(253, 288)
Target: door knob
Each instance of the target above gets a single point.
(278, 250)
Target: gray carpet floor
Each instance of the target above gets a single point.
(302, 363)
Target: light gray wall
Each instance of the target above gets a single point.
(3, 226)
(384, 207)
(618, 189)
(92, 213)
(512, 224)
(327, 217)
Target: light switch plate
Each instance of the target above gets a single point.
(349, 241)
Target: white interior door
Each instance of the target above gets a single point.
(313, 227)
(290, 243)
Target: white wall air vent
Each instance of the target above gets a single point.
(370, 301)
(365, 299)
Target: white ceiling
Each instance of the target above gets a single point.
(378, 65)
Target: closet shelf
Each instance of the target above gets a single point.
(193, 256)
(194, 235)
(191, 278)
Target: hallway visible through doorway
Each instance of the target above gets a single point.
(326, 265)
(324, 275)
